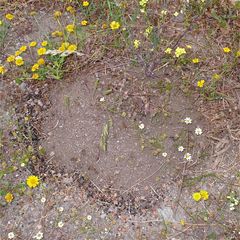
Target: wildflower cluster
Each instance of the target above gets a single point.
(234, 200)
(136, 43)
(148, 31)
(143, 4)
(198, 131)
(180, 51)
(201, 195)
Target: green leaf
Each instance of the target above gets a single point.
(3, 192)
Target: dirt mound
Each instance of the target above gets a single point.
(133, 160)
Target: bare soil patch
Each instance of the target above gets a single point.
(133, 160)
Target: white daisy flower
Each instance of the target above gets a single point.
(141, 126)
(187, 156)
(38, 236)
(164, 12)
(198, 131)
(180, 148)
(11, 235)
(102, 99)
(89, 217)
(164, 154)
(43, 200)
(60, 224)
(176, 14)
(19, 57)
(60, 209)
(188, 120)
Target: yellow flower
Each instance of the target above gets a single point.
(26, 118)
(136, 43)
(35, 67)
(189, 46)
(2, 69)
(11, 58)
(148, 31)
(33, 13)
(216, 76)
(114, 25)
(19, 61)
(54, 34)
(40, 61)
(204, 195)
(8, 197)
(182, 222)
(85, 3)
(60, 34)
(9, 16)
(196, 196)
(168, 51)
(23, 48)
(65, 44)
(104, 26)
(41, 51)
(238, 54)
(57, 14)
(62, 48)
(226, 50)
(32, 181)
(70, 28)
(35, 76)
(200, 83)
(72, 48)
(57, 34)
(195, 60)
(143, 3)
(71, 9)
(17, 53)
(179, 51)
(33, 44)
(84, 22)
(44, 43)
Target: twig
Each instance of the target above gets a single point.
(147, 221)
(155, 192)
(96, 186)
(54, 126)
